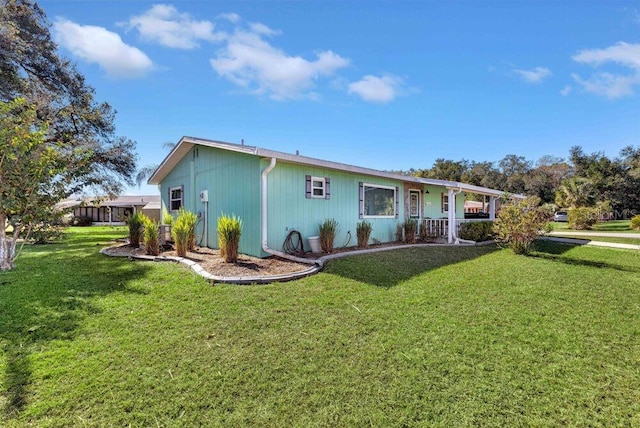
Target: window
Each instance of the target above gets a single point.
(175, 198)
(378, 201)
(445, 203)
(318, 187)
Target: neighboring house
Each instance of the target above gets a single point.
(112, 211)
(275, 192)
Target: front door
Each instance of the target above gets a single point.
(414, 204)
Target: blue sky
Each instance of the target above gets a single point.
(386, 85)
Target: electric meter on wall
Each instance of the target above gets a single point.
(204, 196)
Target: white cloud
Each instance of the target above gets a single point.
(566, 90)
(163, 24)
(250, 62)
(377, 89)
(234, 18)
(611, 85)
(103, 47)
(259, 28)
(625, 54)
(608, 84)
(533, 76)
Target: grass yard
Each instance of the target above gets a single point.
(605, 226)
(427, 336)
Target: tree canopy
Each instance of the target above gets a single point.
(583, 180)
(53, 123)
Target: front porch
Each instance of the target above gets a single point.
(436, 207)
(439, 227)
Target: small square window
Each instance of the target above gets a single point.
(318, 186)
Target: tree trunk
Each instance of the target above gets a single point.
(7, 246)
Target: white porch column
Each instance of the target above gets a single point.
(452, 215)
(492, 207)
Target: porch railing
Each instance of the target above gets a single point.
(439, 227)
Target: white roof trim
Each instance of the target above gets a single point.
(185, 144)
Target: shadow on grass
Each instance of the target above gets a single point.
(389, 268)
(46, 297)
(556, 251)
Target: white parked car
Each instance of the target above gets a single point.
(561, 216)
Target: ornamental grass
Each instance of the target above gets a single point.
(229, 232)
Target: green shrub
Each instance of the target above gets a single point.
(425, 236)
(518, 224)
(135, 222)
(167, 218)
(363, 231)
(229, 232)
(183, 231)
(81, 220)
(410, 228)
(151, 236)
(478, 231)
(582, 218)
(635, 223)
(328, 231)
(45, 233)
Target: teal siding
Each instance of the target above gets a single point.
(233, 182)
(433, 205)
(290, 209)
(180, 175)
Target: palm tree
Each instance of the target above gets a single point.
(576, 192)
(146, 172)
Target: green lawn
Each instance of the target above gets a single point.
(469, 336)
(606, 226)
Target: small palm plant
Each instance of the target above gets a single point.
(363, 231)
(183, 232)
(410, 228)
(167, 218)
(229, 232)
(151, 236)
(190, 220)
(135, 222)
(328, 231)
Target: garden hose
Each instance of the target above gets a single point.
(292, 246)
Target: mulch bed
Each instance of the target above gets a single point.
(211, 262)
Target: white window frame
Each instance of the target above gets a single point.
(379, 186)
(444, 202)
(172, 199)
(323, 188)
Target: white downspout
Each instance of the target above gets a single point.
(263, 219)
(453, 227)
(492, 207)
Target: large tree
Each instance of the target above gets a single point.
(44, 95)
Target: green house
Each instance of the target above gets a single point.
(275, 192)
